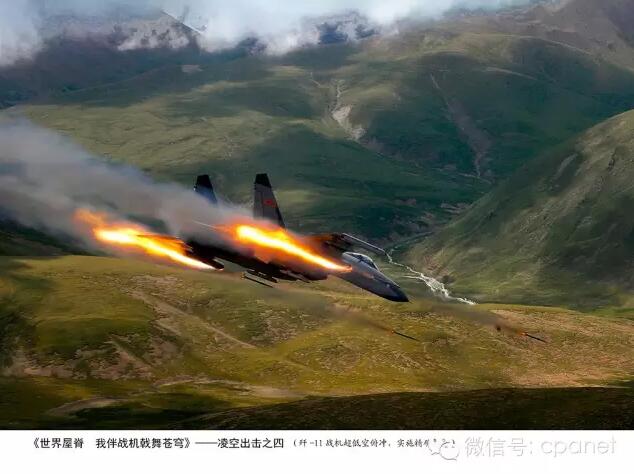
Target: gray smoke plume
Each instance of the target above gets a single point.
(45, 178)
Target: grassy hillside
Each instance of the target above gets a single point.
(90, 341)
(552, 408)
(20, 241)
(560, 230)
(252, 115)
(601, 27)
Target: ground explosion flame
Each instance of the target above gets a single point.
(137, 237)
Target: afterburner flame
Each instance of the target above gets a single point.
(126, 234)
(281, 241)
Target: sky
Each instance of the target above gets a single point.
(280, 24)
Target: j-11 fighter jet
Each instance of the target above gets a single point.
(270, 253)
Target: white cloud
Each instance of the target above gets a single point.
(283, 24)
(280, 24)
(19, 35)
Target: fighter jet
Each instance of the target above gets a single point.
(338, 248)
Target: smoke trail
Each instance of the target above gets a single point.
(45, 178)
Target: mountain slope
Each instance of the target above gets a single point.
(604, 28)
(554, 408)
(476, 103)
(560, 230)
(105, 342)
(386, 138)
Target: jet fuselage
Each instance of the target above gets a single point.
(360, 270)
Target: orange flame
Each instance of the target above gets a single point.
(282, 241)
(126, 234)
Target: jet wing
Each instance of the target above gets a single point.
(166, 239)
(347, 242)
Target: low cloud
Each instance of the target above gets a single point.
(19, 31)
(279, 26)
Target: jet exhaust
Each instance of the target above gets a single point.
(283, 244)
(137, 238)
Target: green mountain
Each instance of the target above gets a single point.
(560, 230)
(388, 137)
(600, 27)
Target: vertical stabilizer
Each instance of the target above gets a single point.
(264, 202)
(204, 188)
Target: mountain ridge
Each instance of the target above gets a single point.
(560, 229)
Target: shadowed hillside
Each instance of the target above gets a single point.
(497, 409)
(561, 229)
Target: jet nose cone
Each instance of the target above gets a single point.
(397, 295)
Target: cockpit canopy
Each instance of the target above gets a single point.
(363, 258)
